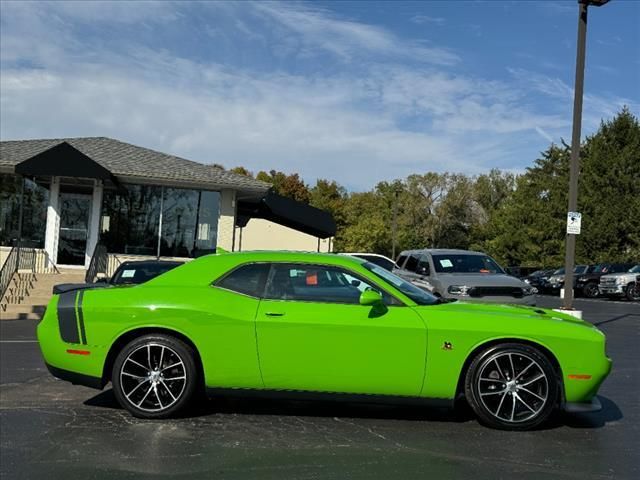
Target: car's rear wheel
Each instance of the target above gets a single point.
(511, 387)
(590, 290)
(155, 376)
(633, 291)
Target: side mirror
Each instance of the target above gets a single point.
(355, 283)
(370, 298)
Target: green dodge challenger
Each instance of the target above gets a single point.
(304, 324)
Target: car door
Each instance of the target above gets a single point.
(314, 335)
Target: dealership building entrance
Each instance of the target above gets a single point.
(63, 197)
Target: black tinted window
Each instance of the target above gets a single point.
(380, 261)
(140, 273)
(401, 259)
(412, 263)
(312, 283)
(248, 279)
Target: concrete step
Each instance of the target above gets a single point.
(17, 312)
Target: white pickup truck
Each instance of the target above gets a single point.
(625, 284)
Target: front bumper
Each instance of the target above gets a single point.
(593, 406)
(612, 290)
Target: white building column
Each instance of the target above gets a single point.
(94, 222)
(53, 222)
(227, 220)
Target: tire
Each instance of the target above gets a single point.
(505, 404)
(590, 290)
(155, 376)
(633, 292)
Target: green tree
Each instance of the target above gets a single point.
(609, 195)
(291, 186)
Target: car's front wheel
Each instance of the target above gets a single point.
(511, 387)
(590, 290)
(155, 376)
(633, 291)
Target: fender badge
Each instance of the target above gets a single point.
(447, 346)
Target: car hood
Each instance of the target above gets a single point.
(508, 312)
(616, 275)
(481, 280)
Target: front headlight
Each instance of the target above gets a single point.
(526, 280)
(529, 291)
(620, 280)
(458, 290)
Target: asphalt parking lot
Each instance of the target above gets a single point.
(51, 429)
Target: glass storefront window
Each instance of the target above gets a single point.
(131, 219)
(34, 211)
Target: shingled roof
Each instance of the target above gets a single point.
(129, 162)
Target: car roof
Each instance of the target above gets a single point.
(208, 266)
(442, 251)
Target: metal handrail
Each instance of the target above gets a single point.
(9, 268)
(98, 263)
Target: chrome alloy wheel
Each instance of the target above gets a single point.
(153, 377)
(513, 387)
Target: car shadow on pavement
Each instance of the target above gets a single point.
(326, 408)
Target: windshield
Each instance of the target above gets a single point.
(635, 269)
(580, 269)
(461, 263)
(421, 297)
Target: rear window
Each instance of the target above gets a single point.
(247, 279)
(136, 274)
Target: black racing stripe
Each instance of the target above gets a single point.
(83, 334)
(67, 317)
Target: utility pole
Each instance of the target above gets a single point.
(574, 170)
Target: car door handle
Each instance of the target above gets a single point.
(273, 314)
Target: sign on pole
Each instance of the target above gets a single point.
(574, 222)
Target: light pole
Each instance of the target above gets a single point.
(574, 170)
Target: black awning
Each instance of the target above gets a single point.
(63, 160)
(288, 212)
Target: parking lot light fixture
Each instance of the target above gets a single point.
(570, 248)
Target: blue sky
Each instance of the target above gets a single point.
(353, 91)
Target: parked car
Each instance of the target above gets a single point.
(624, 284)
(319, 325)
(538, 279)
(555, 282)
(587, 283)
(463, 274)
(380, 260)
(128, 273)
(521, 272)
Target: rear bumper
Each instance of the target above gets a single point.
(76, 378)
(593, 406)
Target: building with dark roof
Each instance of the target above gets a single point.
(65, 196)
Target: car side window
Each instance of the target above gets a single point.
(248, 279)
(316, 283)
(412, 263)
(401, 260)
(423, 265)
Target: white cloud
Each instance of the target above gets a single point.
(383, 118)
(345, 38)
